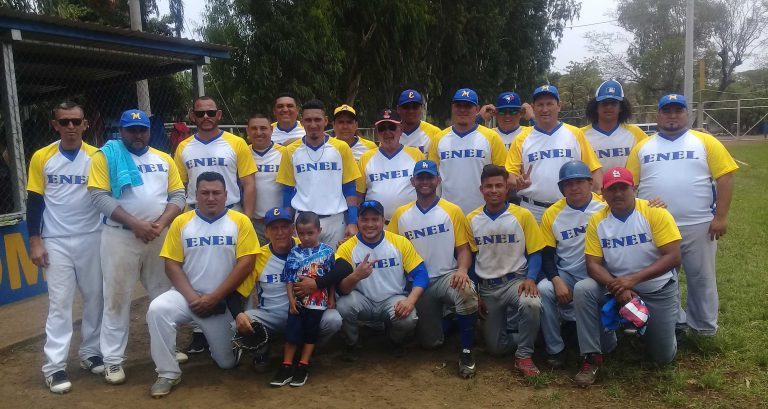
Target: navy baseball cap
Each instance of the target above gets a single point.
(408, 96)
(134, 117)
(547, 90)
(374, 205)
(508, 100)
(277, 213)
(673, 99)
(425, 166)
(467, 95)
(387, 115)
(609, 90)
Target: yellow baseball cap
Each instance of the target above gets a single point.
(345, 108)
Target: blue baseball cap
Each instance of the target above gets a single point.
(609, 90)
(408, 96)
(134, 117)
(426, 166)
(508, 100)
(673, 99)
(547, 90)
(465, 94)
(277, 213)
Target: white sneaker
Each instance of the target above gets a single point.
(93, 364)
(114, 374)
(58, 382)
(181, 357)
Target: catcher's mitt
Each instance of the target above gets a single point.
(252, 342)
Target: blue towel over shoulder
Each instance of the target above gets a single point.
(122, 170)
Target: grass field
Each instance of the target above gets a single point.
(731, 369)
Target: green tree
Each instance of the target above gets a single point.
(578, 84)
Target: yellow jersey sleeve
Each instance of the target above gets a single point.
(547, 220)
(246, 287)
(349, 170)
(587, 153)
(36, 174)
(470, 216)
(172, 247)
(636, 132)
(245, 164)
(461, 234)
(592, 242)
(498, 150)
(719, 160)
(174, 179)
(633, 161)
(98, 176)
(414, 153)
(433, 154)
(344, 252)
(534, 241)
(180, 168)
(360, 185)
(411, 257)
(247, 241)
(663, 227)
(514, 160)
(285, 173)
(392, 226)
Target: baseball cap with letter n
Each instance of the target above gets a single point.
(610, 89)
(425, 166)
(673, 99)
(546, 90)
(508, 100)
(134, 117)
(410, 96)
(277, 213)
(466, 95)
(616, 175)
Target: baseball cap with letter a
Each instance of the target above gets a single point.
(610, 89)
(134, 117)
(466, 95)
(616, 175)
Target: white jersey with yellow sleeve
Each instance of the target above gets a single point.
(226, 154)
(420, 137)
(361, 146)
(612, 146)
(509, 137)
(269, 193)
(387, 179)
(502, 240)
(460, 158)
(395, 257)
(546, 153)
(209, 248)
(682, 173)
(563, 228)
(146, 202)
(631, 244)
(61, 177)
(287, 136)
(317, 173)
(268, 280)
(435, 232)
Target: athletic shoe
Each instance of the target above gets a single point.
(199, 344)
(556, 361)
(58, 382)
(181, 357)
(261, 363)
(300, 375)
(526, 367)
(114, 374)
(466, 364)
(94, 364)
(162, 386)
(283, 376)
(588, 372)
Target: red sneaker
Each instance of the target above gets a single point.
(526, 367)
(588, 372)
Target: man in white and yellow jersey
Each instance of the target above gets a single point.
(693, 173)
(386, 170)
(610, 135)
(439, 231)
(345, 129)
(416, 132)
(287, 128)
(537, 154)
(214, 150)
(632, 250)
(318, 175)
(462, 150)
(64, 235)
(267, 156)
(208, 253)
(507, 243)
(138, 190)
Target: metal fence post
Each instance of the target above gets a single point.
(198, 78)
(738, 118)
(10, 107)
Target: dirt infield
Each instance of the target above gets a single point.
(419, 379)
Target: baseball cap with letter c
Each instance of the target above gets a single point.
(616, 175)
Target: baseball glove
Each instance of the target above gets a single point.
(252, 342)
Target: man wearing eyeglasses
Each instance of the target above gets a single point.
(64, 236)
(416, 133)
(138, 190)
(387, 169)
(214, 150)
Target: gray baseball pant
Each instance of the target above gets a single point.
(430, 308)
(355, 307)
(699, 253)
(497, 299)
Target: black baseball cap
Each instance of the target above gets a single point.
(371, 205)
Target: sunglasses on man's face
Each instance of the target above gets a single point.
(387, 126)
(508, 111)
(67, 121)
(211, 113)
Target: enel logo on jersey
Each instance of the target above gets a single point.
(496, 239)
(573, 233)
(626, 241)
(667, 156)
(67, 179)
(153, 167)
(386, 262)
(268, 168)
(612, 153)
(204, 162)
(309, 167)
(550, 153)
(426, 231)
(462, 153)
(210, 241)
(392, 174)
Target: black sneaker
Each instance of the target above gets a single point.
(93, 364)
(199, 344)
(556, 361)
(283, 376)
(58, 382)
(300, 375)
(466, 364)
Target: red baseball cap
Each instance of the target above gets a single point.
(617, 175)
